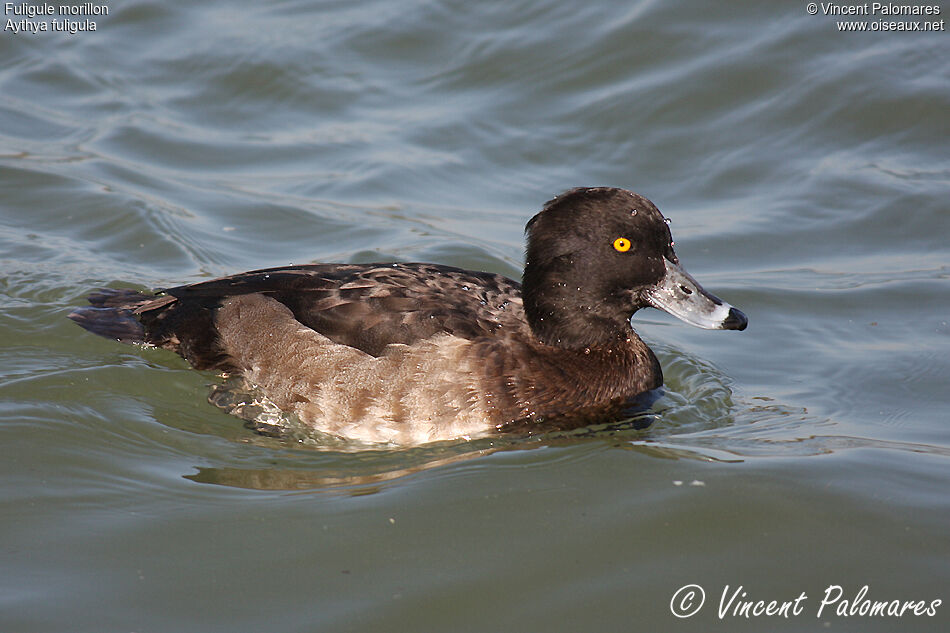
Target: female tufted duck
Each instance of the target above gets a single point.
(412, 353)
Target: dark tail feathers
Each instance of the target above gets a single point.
(111, 314)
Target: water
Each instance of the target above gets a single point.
(806, 174)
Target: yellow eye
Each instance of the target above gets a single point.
(622, 244)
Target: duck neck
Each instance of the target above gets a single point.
(564, 315)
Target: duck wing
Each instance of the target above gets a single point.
(365, 306)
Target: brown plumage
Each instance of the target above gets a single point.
(410, 353)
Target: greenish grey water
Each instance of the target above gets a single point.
(806, 174)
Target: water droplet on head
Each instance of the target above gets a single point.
(667, 220)
(634, 212)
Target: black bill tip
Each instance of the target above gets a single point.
(735, 320)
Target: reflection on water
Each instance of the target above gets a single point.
(361, 473)
(364, 476)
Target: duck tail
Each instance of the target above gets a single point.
(111, 314)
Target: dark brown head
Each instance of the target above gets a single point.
(597, 255)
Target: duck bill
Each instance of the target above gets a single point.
(683, 297)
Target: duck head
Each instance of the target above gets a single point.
(597, 255)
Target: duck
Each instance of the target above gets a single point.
(409, 353)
